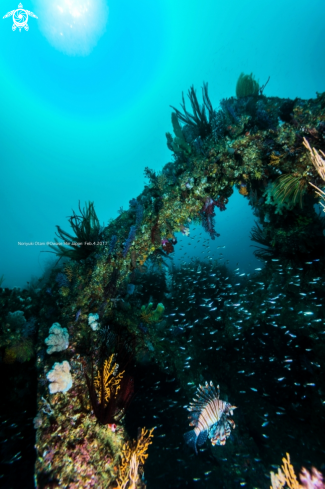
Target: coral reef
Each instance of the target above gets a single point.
(20, 351)
(58, 339)
(134, 455)
(93, 321)
(60, 377)
(318, 160)
(110, 392)
(286, 477)
(178, 144)
(150, 315)
(207, 319)
(17, 336)
(16, 319)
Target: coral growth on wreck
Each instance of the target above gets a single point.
(105, 294)
(133, 457)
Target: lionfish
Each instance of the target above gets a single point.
(210, 417)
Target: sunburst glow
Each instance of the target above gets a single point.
(72, 26)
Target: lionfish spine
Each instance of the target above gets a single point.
(210, 414)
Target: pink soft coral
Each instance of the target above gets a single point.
(313, 480)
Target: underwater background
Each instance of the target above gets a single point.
(208, 262)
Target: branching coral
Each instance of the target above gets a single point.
(107, 383)
(134, 455)
(286, 477)
(110, 392)
(319, 164)
(316, 159)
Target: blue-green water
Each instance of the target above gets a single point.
(85, 100)
(83, 127)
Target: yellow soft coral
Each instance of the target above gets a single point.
(108, 379)
(134, 455)
(286, 477)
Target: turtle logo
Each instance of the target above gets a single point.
(20, 18)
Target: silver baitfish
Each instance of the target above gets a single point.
(209, 416)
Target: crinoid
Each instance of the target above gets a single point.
(289, 189)
(202, 115)
(247, 86)
(87, 231)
